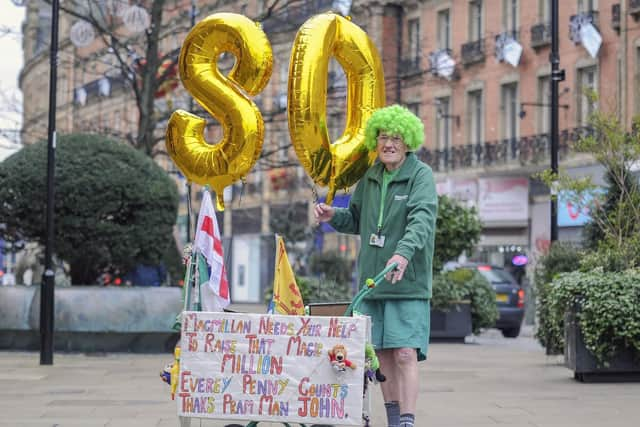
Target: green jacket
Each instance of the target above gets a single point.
(409, 222)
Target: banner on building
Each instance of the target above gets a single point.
(264, 367)
(503, 199)
(575, 211)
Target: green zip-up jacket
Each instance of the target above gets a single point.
(408, 226)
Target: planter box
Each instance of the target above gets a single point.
(623, 367)
(92, 319)
(452, 325)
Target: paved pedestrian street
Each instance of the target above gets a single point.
(490, 381)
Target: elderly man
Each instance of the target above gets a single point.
(394, 209)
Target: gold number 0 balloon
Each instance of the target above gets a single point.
(233, 157)
(341, 164)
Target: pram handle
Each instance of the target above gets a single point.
(370, 284)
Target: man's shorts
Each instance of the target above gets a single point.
(399, 323)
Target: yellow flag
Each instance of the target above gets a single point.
(286, 295)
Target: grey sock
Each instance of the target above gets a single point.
(393, 413)
(406, 420)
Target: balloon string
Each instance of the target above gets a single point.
(244, 182)
(314, 191)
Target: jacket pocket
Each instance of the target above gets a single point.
(410, 273)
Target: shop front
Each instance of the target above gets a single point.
(503, 208)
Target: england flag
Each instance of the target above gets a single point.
(211, 273)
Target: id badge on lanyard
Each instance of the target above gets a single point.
(376, 240)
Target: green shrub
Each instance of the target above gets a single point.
(114, 206)
(612, 234)
(609, 315)
(458, 229)
(314, 289)
(330, 266)
(562, 257)
(466, 285)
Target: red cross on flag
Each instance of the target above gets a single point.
(212, 276)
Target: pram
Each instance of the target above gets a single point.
(367, 361)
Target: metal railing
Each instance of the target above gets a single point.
(409, 66)
(540, 35)
(241, 189)
(523, 151)
(290, 17)
(473, 52)
(615, 16)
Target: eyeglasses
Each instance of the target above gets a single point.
(383, 138)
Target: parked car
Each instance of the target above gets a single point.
(509, 297)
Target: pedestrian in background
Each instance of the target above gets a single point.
(394, 209)
(27, 277)
(9, 279)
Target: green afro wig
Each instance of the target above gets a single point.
(396, 120)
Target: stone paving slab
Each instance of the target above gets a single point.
(488, 382)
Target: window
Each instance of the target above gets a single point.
(261, 5)
(510, 110)
(282, 144)
(586, 6)
(117, 121)
(510, 18)
(444, 29)
(280, 99)
(587, 82)
(476, 28)
(544, 97)
(242, 269)
(544, 11)
(336, 126)
(475, 116)
(284, 77)
(414, 107)
(637, 82)
(443, 123)
(43, 29)
(414, 38)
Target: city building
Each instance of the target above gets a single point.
(476, 71)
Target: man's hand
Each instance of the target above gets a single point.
(396, 275)
(323, 212)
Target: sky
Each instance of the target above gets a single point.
(11, 17)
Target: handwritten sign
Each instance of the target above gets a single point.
(271, 368)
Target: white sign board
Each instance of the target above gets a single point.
(503, 199)
(271, 368)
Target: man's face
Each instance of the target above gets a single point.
(391, 150)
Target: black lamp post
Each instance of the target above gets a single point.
(48, 283)
(192, 15)
(557, 75)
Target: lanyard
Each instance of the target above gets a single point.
(386, 179)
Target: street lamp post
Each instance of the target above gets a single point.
(48, 282)
(557, 75)
(192, 15)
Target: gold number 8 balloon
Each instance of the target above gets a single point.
(341, 164)
(221, 96)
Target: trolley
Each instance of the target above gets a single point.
(371, 366)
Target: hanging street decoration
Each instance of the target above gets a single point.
(582, 30)
(442, 64)
(508, 49)
(82, 34)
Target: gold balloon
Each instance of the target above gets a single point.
(341, 164)
(221, 96)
